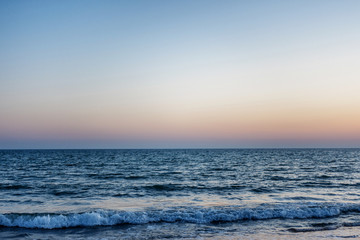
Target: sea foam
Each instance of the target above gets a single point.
(186, 215)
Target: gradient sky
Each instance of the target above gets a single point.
(144, 74)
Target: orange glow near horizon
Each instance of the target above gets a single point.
(227, 123)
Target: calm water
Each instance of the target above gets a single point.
(180, 194)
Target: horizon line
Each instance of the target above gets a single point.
(189, 148)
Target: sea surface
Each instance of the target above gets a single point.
(180, 194)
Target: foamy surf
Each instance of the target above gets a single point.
(196, 215)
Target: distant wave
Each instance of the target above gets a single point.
(171, 215)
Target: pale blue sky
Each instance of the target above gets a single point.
(120, 74)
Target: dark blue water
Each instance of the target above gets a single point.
(180, 194)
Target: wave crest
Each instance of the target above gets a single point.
(187, 215)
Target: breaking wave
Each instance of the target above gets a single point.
(199, 215)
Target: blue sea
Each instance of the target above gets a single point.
(180, 194)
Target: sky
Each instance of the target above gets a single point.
(179, 74)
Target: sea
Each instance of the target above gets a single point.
(180, 194)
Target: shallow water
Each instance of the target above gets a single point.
(180, 194)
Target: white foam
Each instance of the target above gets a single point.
(189, 215)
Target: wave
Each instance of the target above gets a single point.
(13, 186)
(326, 227)
(199, 215)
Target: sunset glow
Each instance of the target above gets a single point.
(144, 74)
